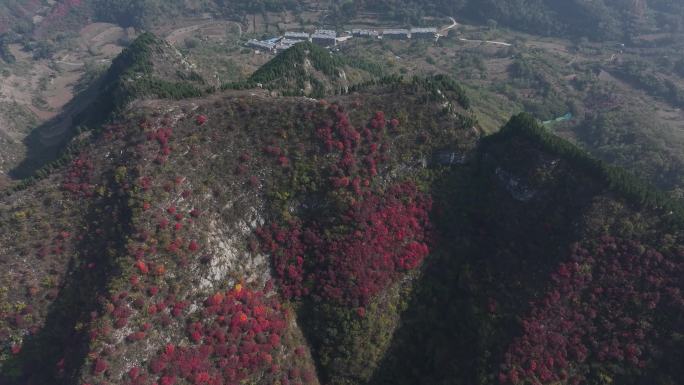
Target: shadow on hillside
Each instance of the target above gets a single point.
(493, 256)
(65, 334)
(47, 142)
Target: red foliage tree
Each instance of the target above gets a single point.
(236, 339)
(356, 249)
(78, 179)
(99, 366)
(601, 309)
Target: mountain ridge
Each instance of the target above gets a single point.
(372, 236)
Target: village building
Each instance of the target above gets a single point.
(365, 33)
(324, 37)
(328, 32)
(324, 40)
(269, 46)
(286, 43)
(423, 33)
(299, 36)
(396, 34)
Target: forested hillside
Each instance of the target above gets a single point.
(148, 68)
(603, 19)
(372, 236)
(309, 70)
(16, 14)
(314, 260)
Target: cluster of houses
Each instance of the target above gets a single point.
(323, 37)
(330, 38)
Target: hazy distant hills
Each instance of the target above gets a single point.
(602, 19)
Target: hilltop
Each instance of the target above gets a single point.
(307, 69)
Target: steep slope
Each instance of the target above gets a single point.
(40, 18)
(149, 68)
(309, 70)
(522, 227)
(155, 269)
(547, 274)
(16, 13)
(373, 237)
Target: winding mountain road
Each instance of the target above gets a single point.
(454, 24)
(445, 30)
(487, 42)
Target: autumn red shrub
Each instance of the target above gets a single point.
(601, 310)
(273, 150)
(286, 248)
(193, 246)
(354, 251)
(340, 182)
(78, 179)
(163, 223)
(136, 336)
(387, 236)
(234, 340)
(283, 161)
(162, 137)
(134, 372)
(142, 267)
(99, 366)
(159, 270)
